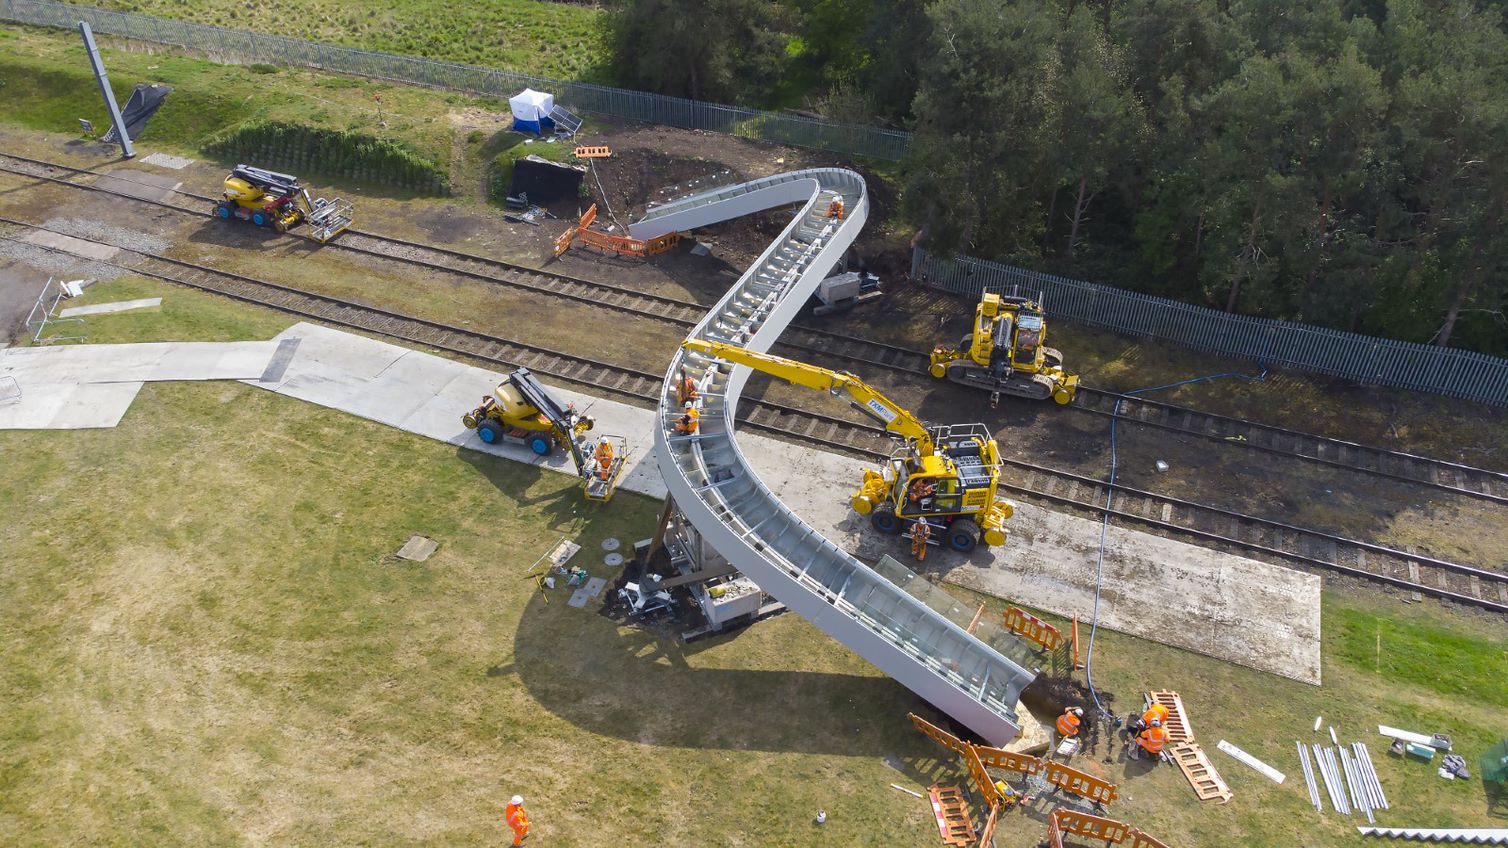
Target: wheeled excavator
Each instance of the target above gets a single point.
(269, 199)
(945, 475)
(1006, 353)
(522, 410)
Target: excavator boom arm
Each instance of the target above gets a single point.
(896, 418)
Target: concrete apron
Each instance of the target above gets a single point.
(1251, 613)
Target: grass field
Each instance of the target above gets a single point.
(48, 87)
(530, 36)
(205, 641)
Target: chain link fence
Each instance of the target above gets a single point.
(1364, 359)
(241, 47)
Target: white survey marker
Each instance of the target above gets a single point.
(1271, 773)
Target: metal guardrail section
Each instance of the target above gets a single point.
(920, 646)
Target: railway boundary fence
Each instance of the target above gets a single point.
(244, 47)
(1304, 347)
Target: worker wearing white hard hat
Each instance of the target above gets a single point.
(517, 819)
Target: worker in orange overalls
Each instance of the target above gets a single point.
(688, 422)
(604, 457)
(685, 388)
(517, 819)
(1157, 711)
(835, 209)
(1068, 723)
(920, 491)
(920, 532)
(1152, 740)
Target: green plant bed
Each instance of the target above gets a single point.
(354, 156)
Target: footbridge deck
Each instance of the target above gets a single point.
(908, 632)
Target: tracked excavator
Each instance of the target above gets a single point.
(522, 410)
(270, 199)
(946, 476)
(1007, 353)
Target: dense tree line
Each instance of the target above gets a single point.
(1342, 162)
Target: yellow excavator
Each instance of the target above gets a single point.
(946, 475)
(523, 410)
(1007, 353)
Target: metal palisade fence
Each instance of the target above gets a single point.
(1364, 359)
(240, 46)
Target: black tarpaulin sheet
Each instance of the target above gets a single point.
(546, 181)
(144, 103)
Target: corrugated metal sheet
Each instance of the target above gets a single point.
(1303, 347)
(1459, 836)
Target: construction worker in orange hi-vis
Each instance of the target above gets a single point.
(685, 388)
(688, 421)
(921, 490)
(604, 458)
(1151, 740)
(920, 532)
(1157, 711)
(517, 819)
(835, 209)
(1068, 722)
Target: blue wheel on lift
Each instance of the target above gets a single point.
(259, 218)
(489, 432)
(885, 521)
(541, 445)
(223, 212)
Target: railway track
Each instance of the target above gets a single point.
(1426, 575)
(1442, 475)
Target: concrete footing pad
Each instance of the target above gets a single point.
(1263, 616)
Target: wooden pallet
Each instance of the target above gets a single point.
(1201, 772)
(1179, 731)
(601, 152)
(954, 824)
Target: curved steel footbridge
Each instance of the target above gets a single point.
(907, 632)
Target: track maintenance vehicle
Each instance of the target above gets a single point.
(946, 476)
(522, 410)
(269, 199)
(1006, 353)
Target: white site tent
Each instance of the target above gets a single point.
(531, 111)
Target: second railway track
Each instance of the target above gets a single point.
(1440, 578)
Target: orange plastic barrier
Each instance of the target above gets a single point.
(1076, 664)
(1142, 840)
(988, 833)
(954, 823)
(1079, 783)
(940, 736)
(1054, 832)
(621, 245)
(1033, 629)
(981, 777)
(1177, 724)
(599, 152)
(1201, 773)
(1094, 827)
(1008, 760)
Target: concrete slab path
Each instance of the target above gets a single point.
(104, 308)
(1262, 616)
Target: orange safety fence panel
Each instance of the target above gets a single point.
(1034, 629)
(563, 241)
(595, 152)
(1200, 772)
(940, 736)
(954, 823)
(1080, 783)
(1008, 760)
(588, 217)
(974, 624)
(988, 832)
(981, 777)
(1094, 827)
(1141, 840)
(1054, 832)
(660, 244)
(1177, 725)
(1076, 664)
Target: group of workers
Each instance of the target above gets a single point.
(686, 394)
(1147, 735)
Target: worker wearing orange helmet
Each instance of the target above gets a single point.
(604, 457)
(835, 209)
(689, 420)
(517, 819)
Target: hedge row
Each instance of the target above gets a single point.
(299, 148)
